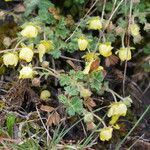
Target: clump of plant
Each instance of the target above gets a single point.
(51, 34)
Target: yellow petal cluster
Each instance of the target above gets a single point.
(117, 108)
(134, 29)
(43, 47)
(29, 31)
(95, 23)
(124, 53)
(26, 72)
(45, 94)
(90, 56)
(26, 54)
(105, 49)
(10, 59)
(106, 133)
(82, 43)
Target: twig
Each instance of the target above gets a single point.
(81, 21)
(126, 62)
(43, 123)
(9, 50)
(69, 58)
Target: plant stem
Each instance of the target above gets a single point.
(100, 119)
(49, 71)
(119, 145)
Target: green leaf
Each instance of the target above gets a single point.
(61, 30)
(71, 90)
(30, 6)
(43, 12)
(73, 105)
(65, 80)
(62, 98)
(95, 81)
(76, 106)
(55, 53)
(147, 49)
(10, 121)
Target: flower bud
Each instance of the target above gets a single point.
(26, 54)
(117, 108)
(88, 117)
(26, 72)
(45, 95)
(124, 53)
(43, 47)
(7, 41)
(36, 82)
(106, 133)
(10, 59)
(82, 43)
(45, 64)
(134, 29)
(29, 31)
(105, 49)
(85, 93)
(95, 23)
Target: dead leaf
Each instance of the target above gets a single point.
(46, 108)
(89, 103)
(95, 64)
(53, 118)
(111, 60)
(20, 8)
(90, 125)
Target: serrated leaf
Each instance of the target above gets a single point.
(56, 53)
(76, 106)
(62, 98)
(71, 90)
(30, 6)
(65, 80)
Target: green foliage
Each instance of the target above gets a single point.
(73, 105)
(30, 6)
(10, 121)
(72, 82)
(95, 82)
(147, 49)
(61, 30)
(43, 6)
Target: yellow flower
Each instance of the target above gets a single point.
(134, 29)
(87, 67)
(26, 72)
(43, 47)
(45, 95)
(124, 53)
(82, 43)
(26, 54)
(114, 119)
(105, 49)
(117, 108)
(90, 56)
(10, 59)
(95, 23)
(106, 133)
(30, 31)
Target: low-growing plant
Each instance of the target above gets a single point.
(49, 32)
